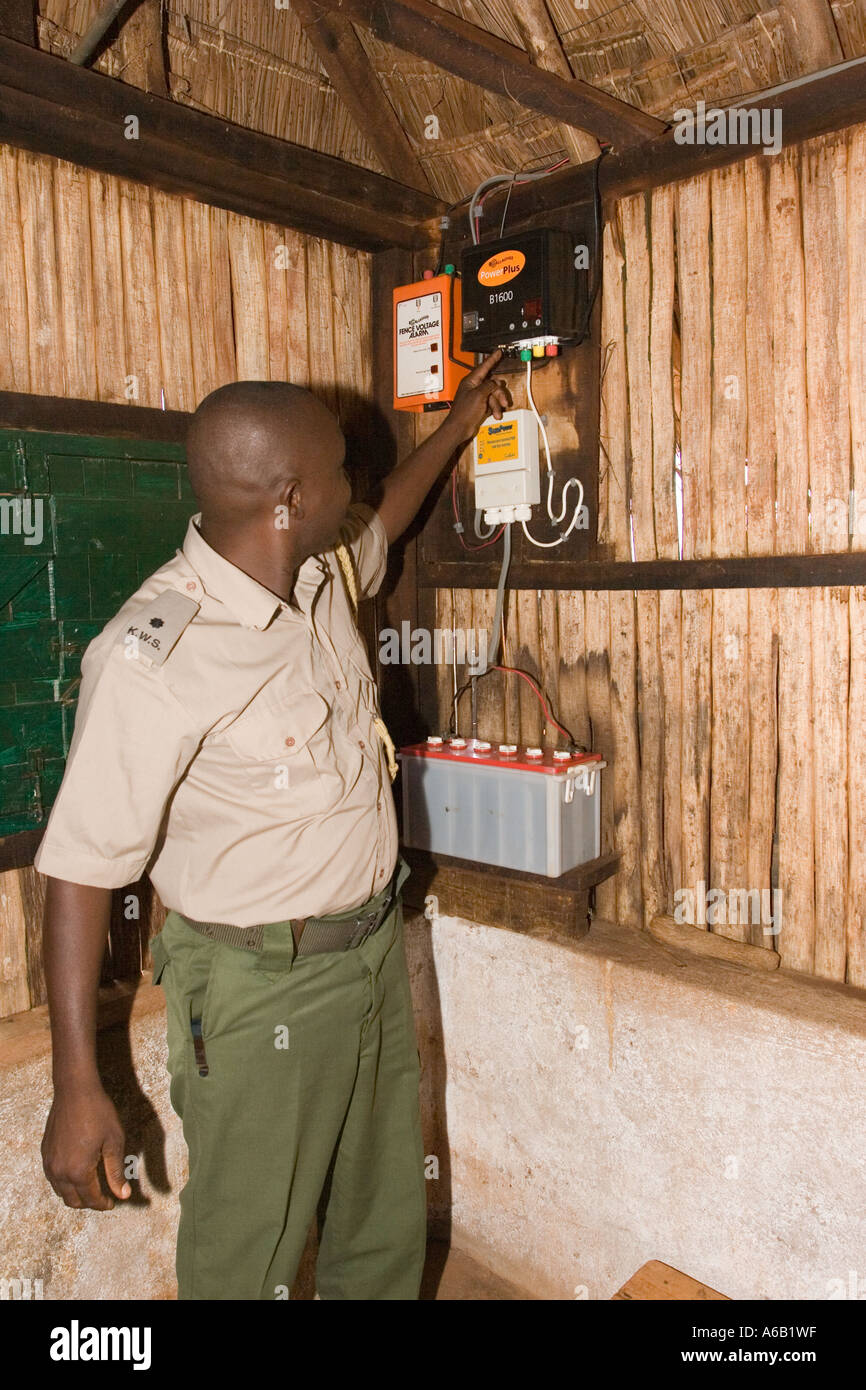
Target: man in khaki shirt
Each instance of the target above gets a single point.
(228, 742)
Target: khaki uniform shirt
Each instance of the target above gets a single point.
(230, 748)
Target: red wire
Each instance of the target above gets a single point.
(492, 540)
(514, 672)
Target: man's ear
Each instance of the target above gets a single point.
(292, 500)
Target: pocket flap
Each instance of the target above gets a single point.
(279, 729)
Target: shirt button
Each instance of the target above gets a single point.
(289, 742)
(361, 743)
(381, 872)
(338, 685)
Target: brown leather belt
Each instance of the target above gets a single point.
(312, 935)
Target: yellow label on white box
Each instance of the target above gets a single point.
(497, 443)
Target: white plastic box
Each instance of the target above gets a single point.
(540, 814)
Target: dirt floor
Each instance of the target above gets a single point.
(453, 1275)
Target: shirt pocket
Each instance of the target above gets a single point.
(286, 750)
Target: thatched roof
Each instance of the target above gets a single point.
(253, 63)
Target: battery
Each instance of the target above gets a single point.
(524, 809)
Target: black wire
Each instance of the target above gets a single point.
(440, 263)
(596, 203)
(452, 724)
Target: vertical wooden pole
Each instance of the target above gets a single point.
(823, 177)
(796, 941)
(692, 223)
(761, 540)
(729, 784)
(856, 903)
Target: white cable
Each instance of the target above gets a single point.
(522, 174)
(531, 400)
(545, 545)
(487, 183)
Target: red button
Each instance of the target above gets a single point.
(289, 742)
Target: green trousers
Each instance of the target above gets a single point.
(299, 1101)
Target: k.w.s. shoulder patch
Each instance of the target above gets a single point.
(153, 631)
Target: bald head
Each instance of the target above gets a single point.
(248, 439)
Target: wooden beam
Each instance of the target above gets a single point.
(738, 572)
(356, 82)
(65, 415)
(49, 106)
(811, 33)
(19, 850)
(509, 898)
(808, 108)
(542, 43)
(689, 937)
(470, 52)
(18, 20)
(142, 42)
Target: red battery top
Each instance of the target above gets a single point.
(493, 755)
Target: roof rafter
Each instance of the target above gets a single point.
(355, 81)
(812, 33)
(470, 52)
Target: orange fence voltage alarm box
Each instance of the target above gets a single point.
(428, 362)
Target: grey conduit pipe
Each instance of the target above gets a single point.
(89, 41)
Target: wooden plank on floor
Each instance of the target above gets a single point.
(655, 1281)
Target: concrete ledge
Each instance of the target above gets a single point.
(595, 1104)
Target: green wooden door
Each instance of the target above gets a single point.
(82, 523)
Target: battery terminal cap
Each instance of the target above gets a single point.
(508, 749)
(457, 743)
(561, 755)
(434, 740)
(534, 753)
(482, 747)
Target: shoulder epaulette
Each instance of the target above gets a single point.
(153, 631)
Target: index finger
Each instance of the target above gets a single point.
(477, 375)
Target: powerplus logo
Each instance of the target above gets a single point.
(77, 1343)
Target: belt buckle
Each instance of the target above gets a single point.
(361, 934)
